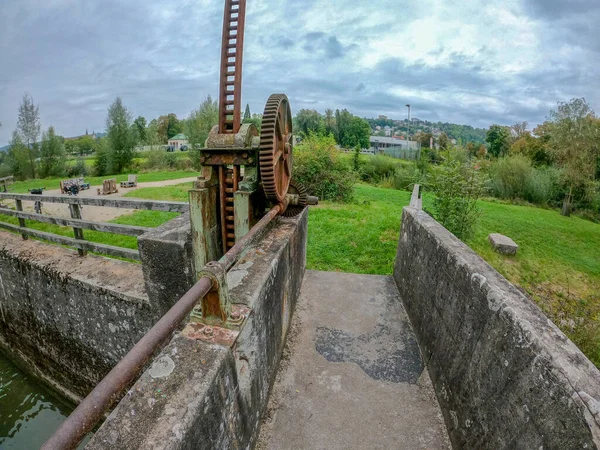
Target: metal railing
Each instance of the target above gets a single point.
(79, 224)
(108, 391)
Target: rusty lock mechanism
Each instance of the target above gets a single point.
(214, 319)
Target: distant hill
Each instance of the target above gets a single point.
(5, 148)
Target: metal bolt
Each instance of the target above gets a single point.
(235, 315)
(245, 155)
(208, 331)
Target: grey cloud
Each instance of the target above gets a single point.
(76, 57)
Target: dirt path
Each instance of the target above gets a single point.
(99, 213)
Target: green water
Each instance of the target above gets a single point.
(29, 414)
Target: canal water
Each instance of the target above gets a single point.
(29, 414)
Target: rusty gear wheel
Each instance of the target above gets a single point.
(275, 158)
(298, 189)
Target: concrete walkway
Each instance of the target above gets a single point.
(352, 375)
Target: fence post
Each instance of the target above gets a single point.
(76, 214)
(22, 222)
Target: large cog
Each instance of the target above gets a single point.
(275, 158)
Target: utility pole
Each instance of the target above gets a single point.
(408, 129)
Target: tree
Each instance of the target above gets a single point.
(199, 124)
(330, 122)
(102, 162)
(356, 134)
(519, 130)
(18, 158)
(533, 148)
(52, 155)
(29, 128)
(342, 120)
(140, 127)
(121, 139)
(201, 121)
(174, 126)
(247, 115)
(498, 139)
(574, 143)
(309, 121)
(168, 126)
(424, 139)
(443, 141)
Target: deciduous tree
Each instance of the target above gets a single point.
(121, 139)
(52, 155)
(498, 139)
(29, 128)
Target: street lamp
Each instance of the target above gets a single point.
(408, 129)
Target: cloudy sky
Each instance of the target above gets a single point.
(475, 62)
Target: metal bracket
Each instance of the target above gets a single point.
(215, 319)
(215, 307)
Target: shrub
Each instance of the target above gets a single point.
(184, 164)
(317, 165)
(509, 177)
(170, 160)
(406, 177)
(377, 168)
(544, 187)
(156, 159)
(457, 186)
(79, 169)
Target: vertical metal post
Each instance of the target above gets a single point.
(222, 203)
(205, 229)
(22, 223)
(76, 214)
(242, 211)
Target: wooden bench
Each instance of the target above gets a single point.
(130, 183)
(108, 187)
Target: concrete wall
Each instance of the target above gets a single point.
(69, 320)
(504, 374)
(198, 395)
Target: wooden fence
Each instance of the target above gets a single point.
(79, 224)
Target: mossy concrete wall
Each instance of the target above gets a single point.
(505, 376)
(198, 395)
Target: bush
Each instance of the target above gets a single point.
(155, 159)
(457, 186)
(509, 177)
(544, 186)
(377, 168)
(79, 169)
(317, 165)
(406, 177)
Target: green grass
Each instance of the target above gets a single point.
(54, 183)
(176, 193)
(358, 237)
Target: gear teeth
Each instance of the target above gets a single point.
(267, 146)
(294, 210)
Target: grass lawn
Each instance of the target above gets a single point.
(176, 193)
(54, 183)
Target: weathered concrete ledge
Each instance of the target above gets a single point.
(504, 374)
(204, 396)
(67, 319)
(168, 261)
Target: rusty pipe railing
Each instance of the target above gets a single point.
(92, 408)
